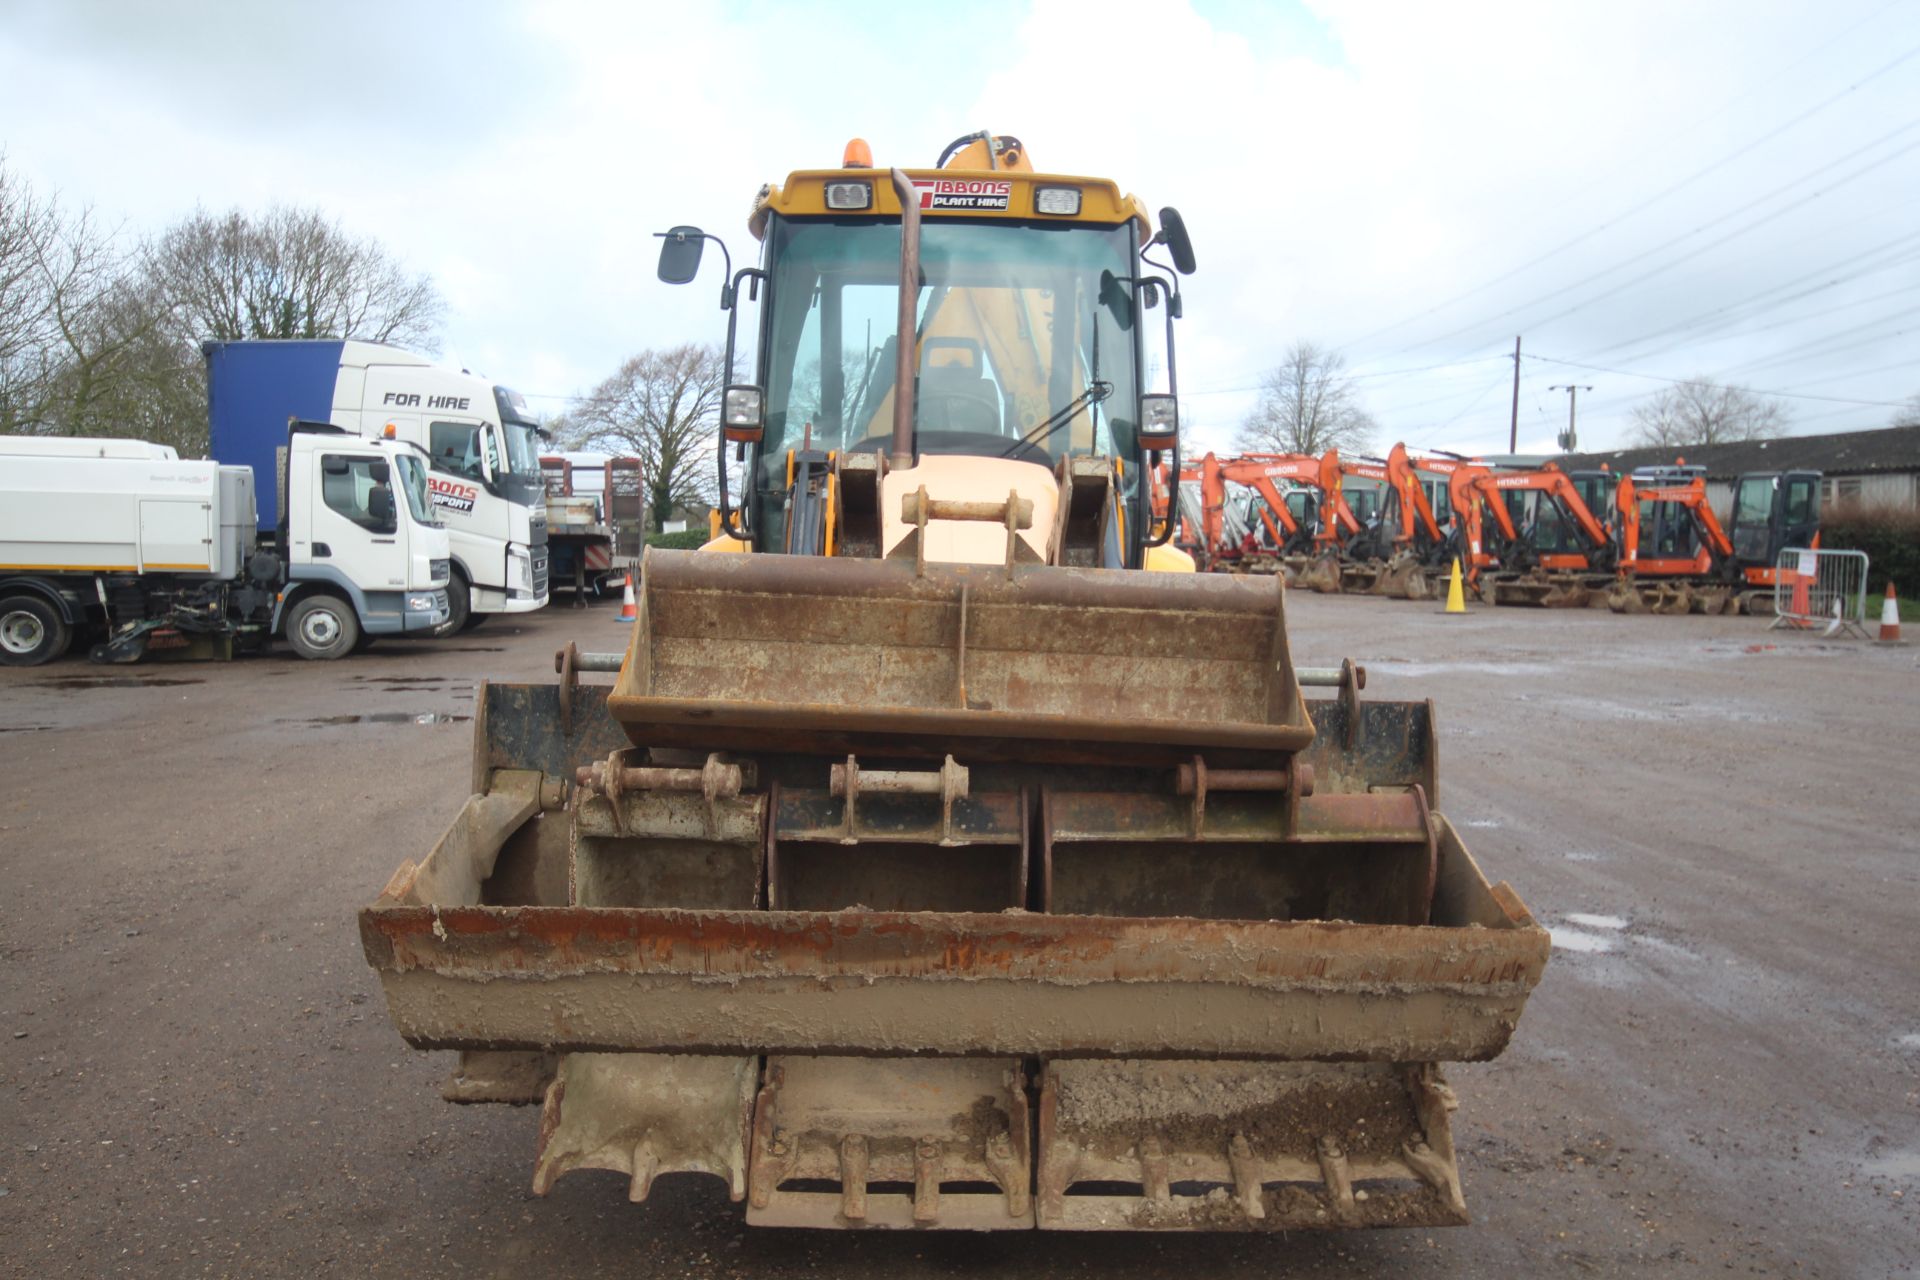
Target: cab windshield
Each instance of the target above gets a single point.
(1025, 343)
(523, 448)
(413, 482)
(520, 480)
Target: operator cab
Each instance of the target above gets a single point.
(1667, 529)
(1027, 355)
(1774, 510)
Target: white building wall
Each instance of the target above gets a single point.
(1886, 489)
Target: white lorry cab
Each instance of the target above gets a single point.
(481, 443)
(124, 542)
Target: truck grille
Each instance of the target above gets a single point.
(539, 571)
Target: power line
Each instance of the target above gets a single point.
(1659, 377)
(1808, 352)
(1688, 181)
(1353, 377)
(1863, 171)
(1753, 300)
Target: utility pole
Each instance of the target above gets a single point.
(1513, 424)
(1573, 399)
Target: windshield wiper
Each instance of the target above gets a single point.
(1095, 393)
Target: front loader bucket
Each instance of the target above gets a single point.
(752, 652)
(1404, 578)
(943, 898)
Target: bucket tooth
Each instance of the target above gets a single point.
(1436, 1173)
(853, 1177)
(1153, 1170)
(644, 1114)
(926, 1180)
(1335, 1172)
(1246, 1176)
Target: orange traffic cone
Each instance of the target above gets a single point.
(1890, 617)
(628, 613)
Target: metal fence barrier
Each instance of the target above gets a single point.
(1824, 590)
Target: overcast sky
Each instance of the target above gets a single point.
(1656, 190)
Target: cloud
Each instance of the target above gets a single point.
(1390, 177)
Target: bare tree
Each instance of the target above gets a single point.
(1699, 411)
(288, 273)
(53, 268)
(95, 340)
(1306, 406)
(664, 408)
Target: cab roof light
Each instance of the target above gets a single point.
(858, 155)
(849, 195)
(391, 432)
(1061, 201)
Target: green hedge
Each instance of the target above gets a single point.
(1889, 536)
(686, 540)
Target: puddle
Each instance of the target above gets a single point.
(24, 728)
(1575, 940)
(1483, 824)
(1584, 855)
(1417, 670)
(385, 717)
(471, 648)
(1585, 921)
(116, 682)
(400, 680)
(1894, 1164)
(1909, 1041)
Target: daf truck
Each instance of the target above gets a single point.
(126, 541)
(480, 439)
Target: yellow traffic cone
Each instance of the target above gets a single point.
(1456, 598)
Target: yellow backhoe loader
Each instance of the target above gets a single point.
(941, 855)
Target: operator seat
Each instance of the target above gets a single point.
(957, 395)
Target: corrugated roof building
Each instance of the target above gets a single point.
(1876, 468)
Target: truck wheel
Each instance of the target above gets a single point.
(31, 632)
(473, 620)
(459, 602)
(322, 627)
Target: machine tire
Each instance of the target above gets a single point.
(322, 627)
(31, 632)
(459, 605)
(473, 621)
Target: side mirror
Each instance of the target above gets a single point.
(1173, 234)
(680, 251)
(743, 415)
(380, 473)
(381, 511)
(1159, 423)
(333, 464)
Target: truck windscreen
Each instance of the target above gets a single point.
(1026, 338)
(413, 481)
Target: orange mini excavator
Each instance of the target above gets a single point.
(1676, 557)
